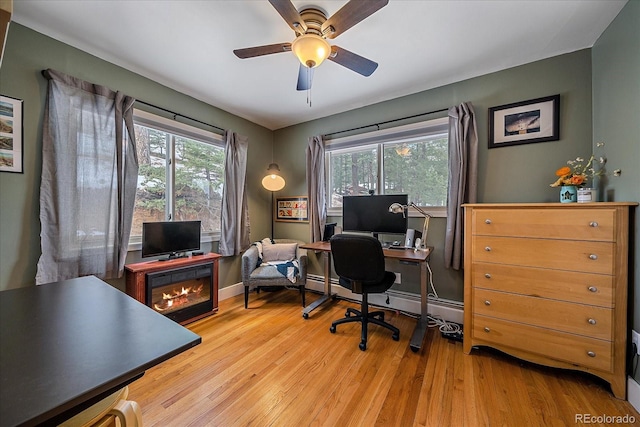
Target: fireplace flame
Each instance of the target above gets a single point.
(177, 297)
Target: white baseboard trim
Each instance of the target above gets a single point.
(450, 311)
(230, 291)
(633, 393)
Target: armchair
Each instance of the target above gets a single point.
(256, 274)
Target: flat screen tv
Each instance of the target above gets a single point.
(170, 238)
(371, 214)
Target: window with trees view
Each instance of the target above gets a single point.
(409, 160)
(181, 174)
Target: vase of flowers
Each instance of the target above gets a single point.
(568, 194)
(574, 178)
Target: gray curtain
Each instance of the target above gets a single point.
(316, 187)
(463, 179)
(89, 178)
(234, 229)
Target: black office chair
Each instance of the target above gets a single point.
(359, 262)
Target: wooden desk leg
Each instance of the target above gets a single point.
(422, 324)
(327, 287)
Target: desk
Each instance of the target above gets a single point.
(69, 344)
(409, 255)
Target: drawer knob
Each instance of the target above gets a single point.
(592, 289)
(487, 275)
(487, 302)
(486, 329)
(488, 248)
(487, 221)
(592, 321)
(591, 354)
(593, 224)
(593, 257)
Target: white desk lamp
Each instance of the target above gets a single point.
(399, 208)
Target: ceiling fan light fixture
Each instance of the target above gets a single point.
(311, 49)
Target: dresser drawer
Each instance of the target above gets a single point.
(575, 349)
(590, 257)
(592, 224)
(583, 288)
(563, 316)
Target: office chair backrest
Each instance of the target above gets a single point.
(358, 258)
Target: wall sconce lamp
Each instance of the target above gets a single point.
(398, 208)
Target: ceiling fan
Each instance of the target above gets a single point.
(313, 28)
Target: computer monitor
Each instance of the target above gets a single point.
(371, 214)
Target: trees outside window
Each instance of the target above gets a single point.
(408, 160)
(181, 174)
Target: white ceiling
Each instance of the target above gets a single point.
(187, 45)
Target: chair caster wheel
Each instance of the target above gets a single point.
(363, 346)
(332, 329)
(396, 337)
(347, 314)
(305, 315)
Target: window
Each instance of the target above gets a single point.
(410, 159)
(180, 177)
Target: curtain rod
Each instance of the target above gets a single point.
(46, 75)
(181, 115)
(387, 122)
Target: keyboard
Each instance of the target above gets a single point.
(402, 248)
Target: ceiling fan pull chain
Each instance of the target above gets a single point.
(309, 89)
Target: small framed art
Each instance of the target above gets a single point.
(11, 144)
(292, 209)
(535, 120)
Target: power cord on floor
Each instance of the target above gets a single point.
(432, 294)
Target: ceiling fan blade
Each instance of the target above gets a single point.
(357, 63)
(349, 15)
(290, 14)
(305, 77)
(251, 52)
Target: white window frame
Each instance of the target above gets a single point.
(173, 129)
(396, 135)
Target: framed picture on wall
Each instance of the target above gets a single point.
(11, 144)
(535, 120)
(292, 209)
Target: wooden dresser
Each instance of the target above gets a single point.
(548, 282)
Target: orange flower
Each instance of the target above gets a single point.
(563, 171)
(577, 179)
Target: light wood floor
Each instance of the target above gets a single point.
(267, 366)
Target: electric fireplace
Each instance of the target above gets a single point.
(182, 289)
(182, 293)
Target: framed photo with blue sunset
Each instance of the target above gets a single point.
(535, 120)
(11, 145)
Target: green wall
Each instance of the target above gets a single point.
(27, 53)
(507, 174)
(616, 103)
